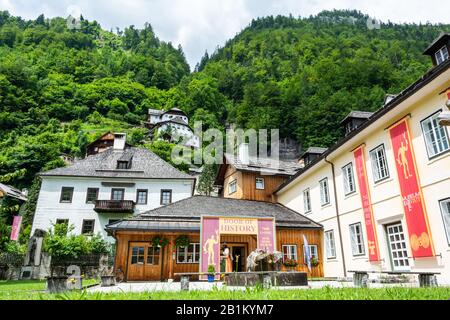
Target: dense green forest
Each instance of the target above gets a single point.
(62, 88)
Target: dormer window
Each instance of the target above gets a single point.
(123, 165)
(441, 55)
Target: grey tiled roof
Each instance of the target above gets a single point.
(316, 150)
(188, 212)
(265, 165)
(13, 192)
(144, 164)
(359, 115)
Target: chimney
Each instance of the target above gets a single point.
(243, 153)
(119, 141)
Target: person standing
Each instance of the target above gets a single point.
(228, 260)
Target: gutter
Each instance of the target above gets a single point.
(337, 216)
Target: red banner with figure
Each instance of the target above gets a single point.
(361, 172)
(412, 198)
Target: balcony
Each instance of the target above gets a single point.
(114, 206)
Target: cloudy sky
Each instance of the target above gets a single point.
(200, 25)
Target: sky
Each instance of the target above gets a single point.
(200, 25)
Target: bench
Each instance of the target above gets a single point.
(426, 279)
(267, 278)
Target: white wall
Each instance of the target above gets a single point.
(49, 208)
(387, 204)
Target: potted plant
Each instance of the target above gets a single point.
(290, 264)
(314, 262)
(182, 241)
(211, 273)
(160, 242)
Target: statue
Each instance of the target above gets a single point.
(209, 247)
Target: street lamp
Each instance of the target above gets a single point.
(444, 117)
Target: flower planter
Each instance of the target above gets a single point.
(108, 281)
(57, 284)
(211, 278)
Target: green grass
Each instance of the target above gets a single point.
(30, 286)
(249, 294)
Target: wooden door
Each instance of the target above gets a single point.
(144, 262)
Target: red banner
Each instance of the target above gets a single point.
(361, 172)
(413, 204)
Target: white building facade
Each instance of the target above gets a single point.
(172, 125)
(107, 187)
(371, 227)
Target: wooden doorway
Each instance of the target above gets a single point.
(144, 262)
(239, 254)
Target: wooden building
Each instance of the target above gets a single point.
(140, 260)
(253, 178)
(105, 142)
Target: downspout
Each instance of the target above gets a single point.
(337, 216)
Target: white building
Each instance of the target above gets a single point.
(382, 193)
(172, 126)
(103, 188)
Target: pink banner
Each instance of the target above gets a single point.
(16, 228)
(266, 235)
(210, 239)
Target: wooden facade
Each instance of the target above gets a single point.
(163, 265)
(246, 185)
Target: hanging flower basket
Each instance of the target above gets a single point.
(182, 241)
(160, 242)
(314, 262)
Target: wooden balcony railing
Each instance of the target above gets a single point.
(117, 206)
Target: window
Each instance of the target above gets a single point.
(441, 55)
(445, 211)
(123, 165)
(153, 255)
(66, 195)
(330, 244)
(435, 135)
(324, 192)
(189, 254)
(313, 251)
(137, 255)
(88, 227)
(117, 194)
(349, 179)
(62, 221)
(91, 195)
(260, 183)
(232, 187)
(307, 201)
(166, 197)
(289, 252)
(379, 164)
(141, 196)
(397, 247)
(356, 238)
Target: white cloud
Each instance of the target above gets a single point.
(200, 25)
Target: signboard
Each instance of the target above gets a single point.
(16, 228)
(410, 190)
(213, 227)
(361, 172)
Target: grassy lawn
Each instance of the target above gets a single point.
(29, 286)
(249, 294)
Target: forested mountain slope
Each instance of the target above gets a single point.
(62, 88)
